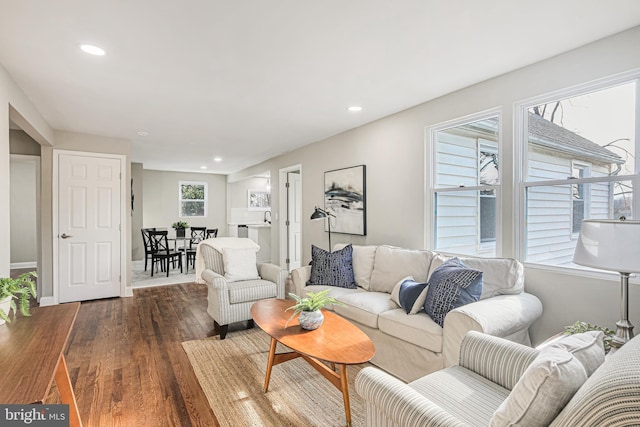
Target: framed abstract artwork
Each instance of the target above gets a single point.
(259, 200)
(345, 197)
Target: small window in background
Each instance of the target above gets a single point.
(193, 199)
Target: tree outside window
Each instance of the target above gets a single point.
(193, 199)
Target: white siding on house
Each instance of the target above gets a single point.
(549, 209)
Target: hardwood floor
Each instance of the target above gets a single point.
(126, 362)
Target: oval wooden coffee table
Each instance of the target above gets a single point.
(337, 341)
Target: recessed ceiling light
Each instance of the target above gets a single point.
(354, 108)
(143, 133)
(92, 50)
(203, 167)
(217, 159)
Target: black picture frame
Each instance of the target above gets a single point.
(345, 196)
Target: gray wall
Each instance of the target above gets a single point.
(24, 218)
(160, 199)
(21, 143)
(137, 247)
(393, 149)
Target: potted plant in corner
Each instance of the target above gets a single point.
(179, 226)
(20, 289)
(309, 308)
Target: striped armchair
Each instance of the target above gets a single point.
(469, 393)
(231, 301)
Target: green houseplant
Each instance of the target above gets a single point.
(309, 308)
(20, 289)
(580, 327)
(179, 226)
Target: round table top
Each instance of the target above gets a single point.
(337, 340)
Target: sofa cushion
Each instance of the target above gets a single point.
(392, 264)
(587, 347)
(395, 293)
(451, 285)
(468, 396)
(542, 391)
(332, 268)
(500, 276)
(362, 259)
(418, 329)
(335, 291)
(251, 290)
(239, 264)
(412, 295)
(364, 307)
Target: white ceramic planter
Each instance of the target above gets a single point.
(310, 320)
(5, 305)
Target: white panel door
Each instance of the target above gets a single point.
(295, 220)
(89, 204)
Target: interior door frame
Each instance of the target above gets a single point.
(284, 235)
(123, 215)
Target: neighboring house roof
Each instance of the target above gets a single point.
(545, 133)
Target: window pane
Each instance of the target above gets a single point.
(597, 128)
(192, 192)
(467, 155)
(466, 222)
(192, 208)
(552, 213)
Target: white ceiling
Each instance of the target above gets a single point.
(250, 79)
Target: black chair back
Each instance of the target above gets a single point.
(212, 233)
(159, 241)
(198, 234)
(145, 238)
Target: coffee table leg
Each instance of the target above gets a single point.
(272, 355)
(344, 383)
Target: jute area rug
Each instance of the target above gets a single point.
(231, 373)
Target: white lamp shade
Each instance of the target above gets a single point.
(609, 245)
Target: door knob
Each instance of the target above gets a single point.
(65, 236)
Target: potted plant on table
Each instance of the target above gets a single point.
(309, 308)
(20, 289)
(179, 226)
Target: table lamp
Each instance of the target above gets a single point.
(321, 214)
(612, 245)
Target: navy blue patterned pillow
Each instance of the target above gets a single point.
(332, 268)
(451, 285)
(412, 296)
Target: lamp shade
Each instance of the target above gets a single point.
(609, 245)
(318, 214)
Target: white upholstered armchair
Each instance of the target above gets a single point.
(228, 267)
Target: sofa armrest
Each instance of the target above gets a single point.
(496, 359)
(214, 280)
(275, 274)
(300, 276)
(394, 403)
(500, 316)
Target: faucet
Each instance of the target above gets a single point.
(267, 214)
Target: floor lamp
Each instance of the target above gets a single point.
(612, 245)
(321, 214)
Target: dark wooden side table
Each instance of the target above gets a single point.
(31, 357)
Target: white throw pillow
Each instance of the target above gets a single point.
(239, 264)
(395, 293)
(587, 347)
(543, 390)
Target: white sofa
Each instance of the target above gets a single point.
(411, 346)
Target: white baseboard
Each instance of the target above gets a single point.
(16, 265)
(45, 301)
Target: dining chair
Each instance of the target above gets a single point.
(162, 253)
(147, 245)
(212, 233)
(198, 234)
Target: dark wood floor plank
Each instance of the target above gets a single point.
(126, 360)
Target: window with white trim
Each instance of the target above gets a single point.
(192, 199)
(580, 162)
(465, 185)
